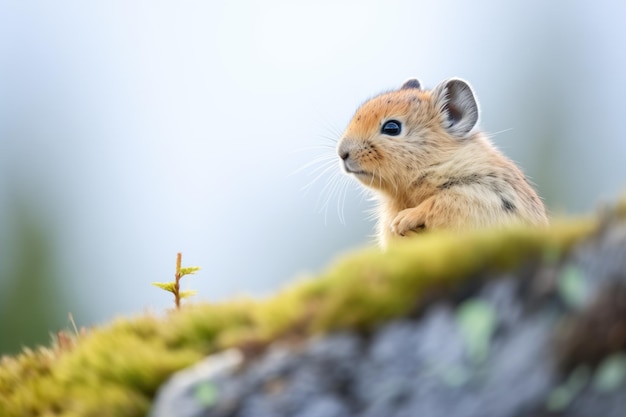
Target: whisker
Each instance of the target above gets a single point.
(333, 195)
(341, 201)
(372, 213)
(494, 134)
(323, 147)
(323, 160)
(331, 188)
(324, 167)
(328, 188)
(332, 139)
(331, 130)
(320, 175)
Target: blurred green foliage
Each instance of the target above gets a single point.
(31, 300)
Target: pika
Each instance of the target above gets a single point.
(429, 165)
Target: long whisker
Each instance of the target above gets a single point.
(491, 135)
(341, 201)
(328, 188)
(327, 169)
(332, 164)
(332, 131)
(331, 187)
(323, 160)
(324, 147)
(334, 194)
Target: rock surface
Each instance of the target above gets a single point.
(495, 350)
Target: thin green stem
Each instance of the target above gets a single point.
(179, 257)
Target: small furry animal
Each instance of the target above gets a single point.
(429, 165)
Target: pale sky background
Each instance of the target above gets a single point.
(137, 129)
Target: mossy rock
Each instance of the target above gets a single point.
(115, 369)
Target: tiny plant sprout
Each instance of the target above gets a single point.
(174, 286)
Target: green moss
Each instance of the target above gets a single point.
(116, 369)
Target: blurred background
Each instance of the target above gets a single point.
(130, 131)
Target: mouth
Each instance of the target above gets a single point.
(359, 174)
(356, 172)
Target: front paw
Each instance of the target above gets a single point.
(407, 221)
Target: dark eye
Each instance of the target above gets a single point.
(391, 128)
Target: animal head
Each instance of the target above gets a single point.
(394, 136)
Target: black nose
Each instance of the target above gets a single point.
(344, 155)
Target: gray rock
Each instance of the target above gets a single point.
(327, 406)
(423, 366)
(178, 397)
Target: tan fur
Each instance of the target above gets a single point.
(428, 178)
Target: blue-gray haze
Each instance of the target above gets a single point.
(130, 131)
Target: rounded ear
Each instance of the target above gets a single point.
(455, 100)
(411, 83)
